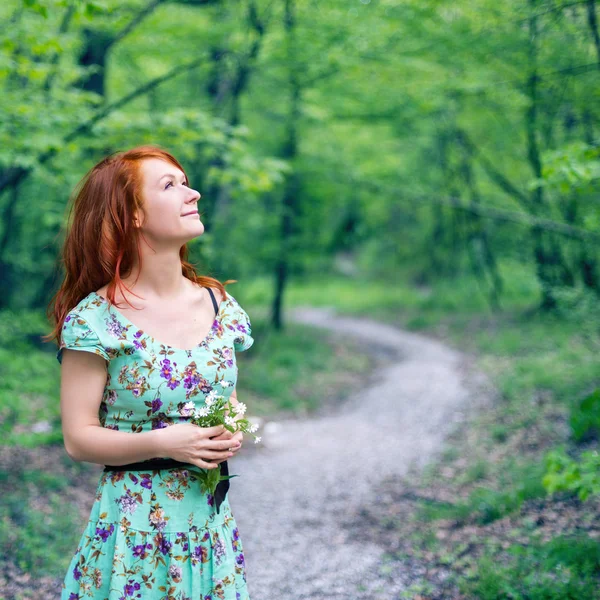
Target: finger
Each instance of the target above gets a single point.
(227, 435)
(204, 465)
(216, 454)
(215, 430)
(221, 444)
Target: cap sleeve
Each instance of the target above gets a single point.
(241, 327)
(78, 335)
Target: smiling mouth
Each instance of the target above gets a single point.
(190, 213)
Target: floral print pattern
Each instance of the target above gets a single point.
(153, 534)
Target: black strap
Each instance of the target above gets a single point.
(155, 463)
(212, 296)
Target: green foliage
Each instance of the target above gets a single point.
(37, 540)
(578, 305)
(585, 418)
(564, 473)
(29, 381)
(385, 130)
(565, 568)
(574, 167)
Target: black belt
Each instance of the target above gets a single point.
(170, 463)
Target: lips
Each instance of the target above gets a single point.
(192, 212)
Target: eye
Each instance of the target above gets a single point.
(170, 183)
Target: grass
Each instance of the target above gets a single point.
(37, 525)
(298, 369)
(565, 568)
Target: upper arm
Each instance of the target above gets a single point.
(83, 361)
(82, 382)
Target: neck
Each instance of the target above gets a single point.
(160, 277)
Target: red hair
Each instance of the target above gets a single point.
(101, 242)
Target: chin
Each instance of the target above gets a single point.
(198, 231)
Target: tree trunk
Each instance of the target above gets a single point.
(593, 25)
(289, 153)
(480, 252)
(550, 266)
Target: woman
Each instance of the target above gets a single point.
(129, 376)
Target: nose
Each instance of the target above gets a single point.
(195, 195)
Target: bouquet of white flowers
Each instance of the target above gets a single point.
(217, 410)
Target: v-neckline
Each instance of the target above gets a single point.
(153, 339)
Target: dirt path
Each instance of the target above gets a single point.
(295, 494)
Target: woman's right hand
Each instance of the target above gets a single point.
(192, 444)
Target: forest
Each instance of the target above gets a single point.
(434, 166)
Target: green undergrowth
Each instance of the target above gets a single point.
(29, 381)
(565, 568)
(37, 524)
(297, 369)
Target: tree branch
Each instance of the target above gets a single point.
(498, 214)
(137, 19)
(577, 70)
(488, 212)
(558, 8)
(494, 173)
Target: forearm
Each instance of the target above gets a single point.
(106, 446)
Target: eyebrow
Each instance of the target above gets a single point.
(171, 175)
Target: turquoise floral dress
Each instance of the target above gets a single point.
(153, 534)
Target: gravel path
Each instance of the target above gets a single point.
(296, 491)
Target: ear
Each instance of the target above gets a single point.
(137, 219)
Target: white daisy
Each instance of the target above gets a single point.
(212, 395)
(202, 412)
(240, 408)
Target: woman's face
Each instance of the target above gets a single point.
(169, 211)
